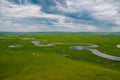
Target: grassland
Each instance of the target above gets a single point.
(48, 63)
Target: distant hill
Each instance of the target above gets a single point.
(62, 33)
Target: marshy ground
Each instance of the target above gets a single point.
(30, 62)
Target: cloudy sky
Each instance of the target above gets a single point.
(60, 15)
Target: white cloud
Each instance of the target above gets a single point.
(24, 27)
(116, 29)
(31, 27)
(101, 10)
(24, 11)
(106, 12)
(117, 22)
(29, 10)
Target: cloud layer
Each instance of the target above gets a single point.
(60, 15)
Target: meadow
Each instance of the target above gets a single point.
(30, 62)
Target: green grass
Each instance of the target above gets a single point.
(49, 64)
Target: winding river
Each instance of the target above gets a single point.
(91, 48)
(118, 45)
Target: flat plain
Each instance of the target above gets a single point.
(25, 61)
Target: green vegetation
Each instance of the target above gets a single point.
(48, 63)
